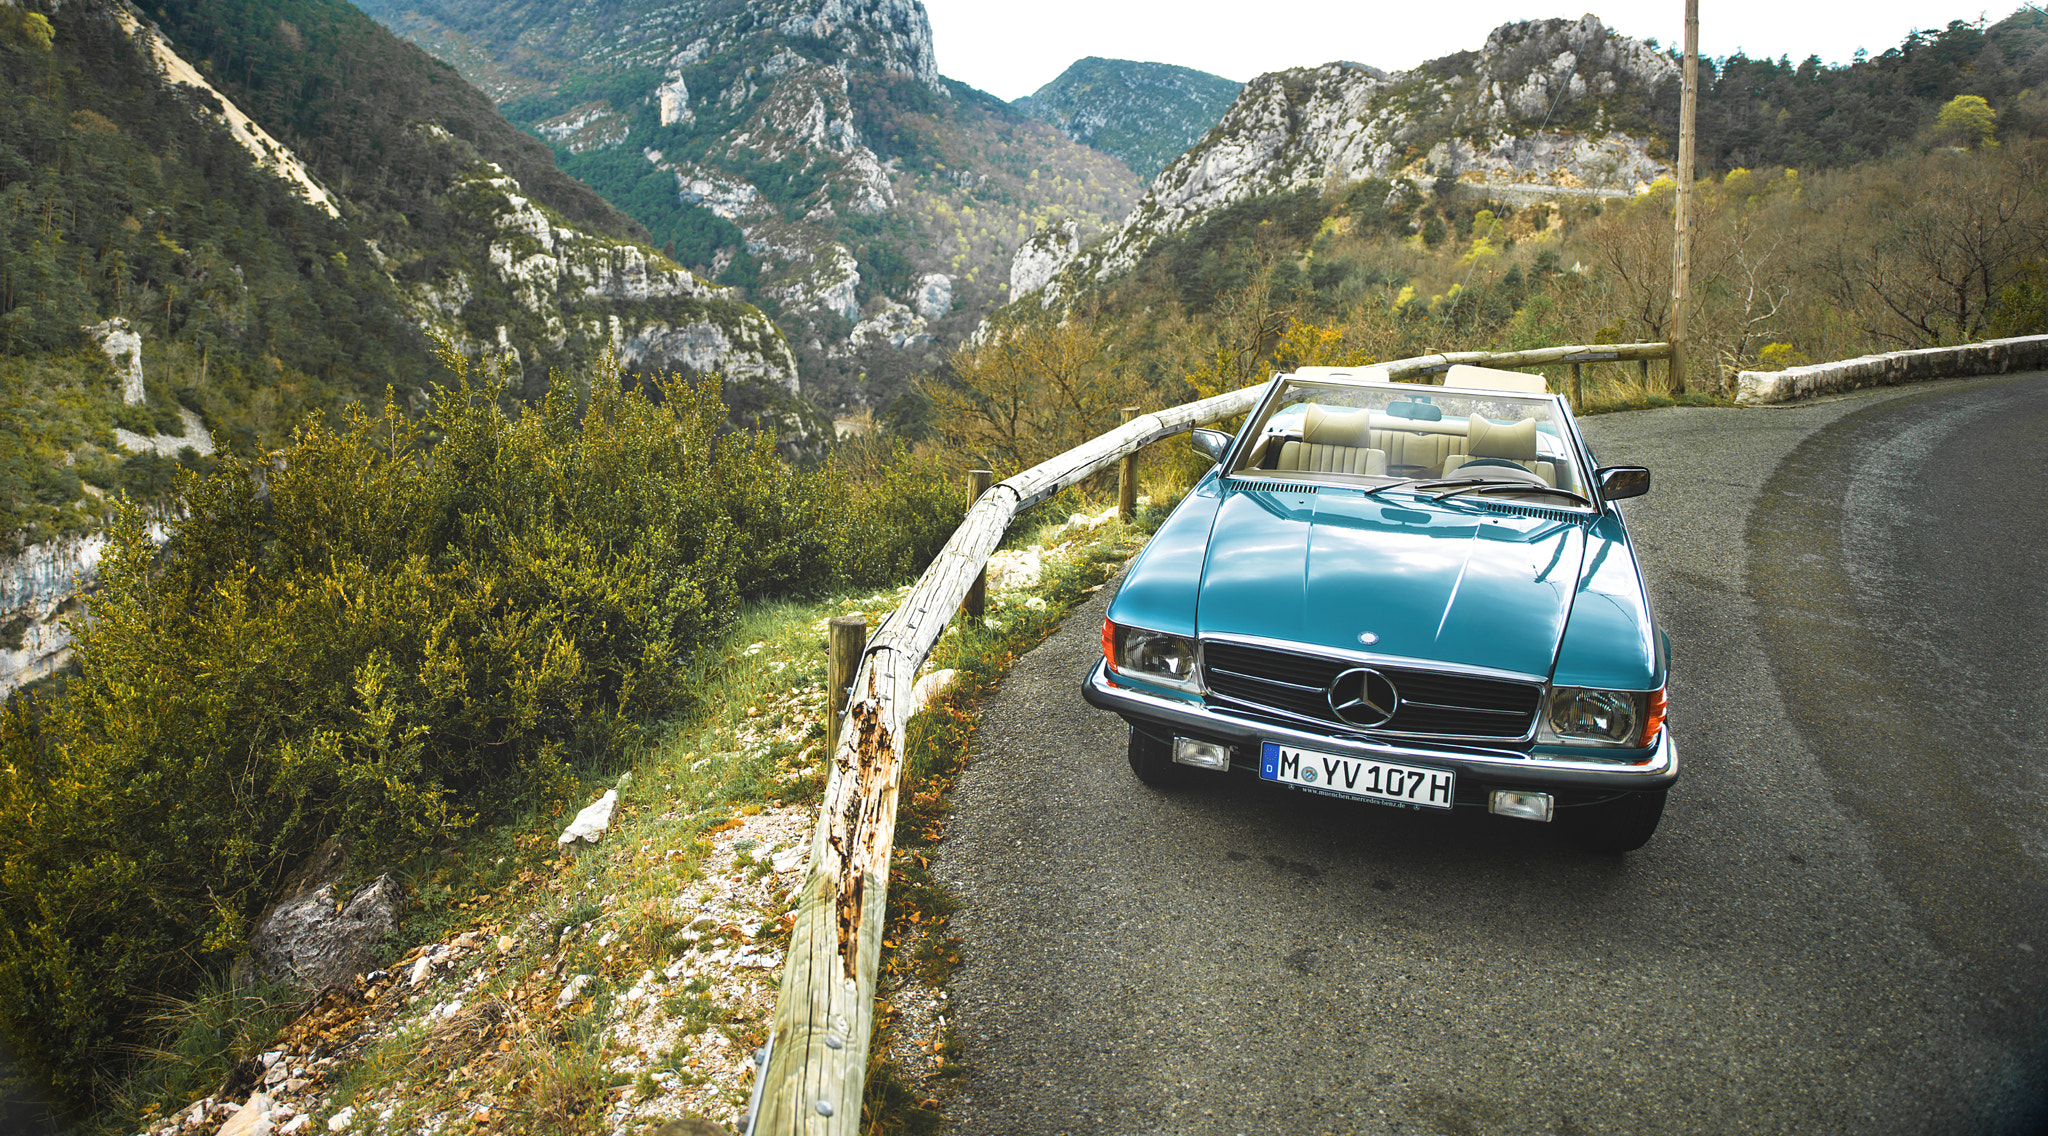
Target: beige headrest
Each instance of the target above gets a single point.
(1488, 439)
(1487, 378)
(1321, 426)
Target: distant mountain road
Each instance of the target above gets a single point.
(1842, 926)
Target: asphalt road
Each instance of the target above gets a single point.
(1842, 925)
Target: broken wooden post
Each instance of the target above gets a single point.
(847, 638)
(1127, 478)
(977, 592)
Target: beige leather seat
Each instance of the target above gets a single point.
(1512, 441)
(1334, 442)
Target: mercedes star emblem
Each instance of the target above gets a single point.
(1363, 697)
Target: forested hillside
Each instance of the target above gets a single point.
(124, 195)
(1810, 115)
(255, 307)
(1143, 113)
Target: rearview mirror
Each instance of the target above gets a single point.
(1619, 481)
(1211, 442)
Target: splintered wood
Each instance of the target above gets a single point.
(861, 833)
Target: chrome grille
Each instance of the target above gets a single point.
(1432, 703)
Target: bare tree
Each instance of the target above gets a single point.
(1949, 237)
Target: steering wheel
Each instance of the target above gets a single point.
(1515, 471)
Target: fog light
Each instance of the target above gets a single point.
(1515, 803)
(1207, 755)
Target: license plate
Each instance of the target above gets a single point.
(1336, 774)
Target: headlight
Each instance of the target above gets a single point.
(1581, 715)
(1151, 656)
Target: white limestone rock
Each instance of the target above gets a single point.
(123, 348)
(830, 286)
(930, 686)
(252, 1119)
(37, 591)
(591, 126)
(1012, 569)
(590, 823)
(1316, 127)
(672, 99)
(895, 325)
(1042, 255)
(934, 295)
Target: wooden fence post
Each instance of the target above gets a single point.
(977, 593)
(1127, 478)
(848, 638)
(1578, 392)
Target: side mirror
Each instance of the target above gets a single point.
(1619, 481)
(1211, 442)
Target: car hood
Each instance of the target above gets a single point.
(1449, 581)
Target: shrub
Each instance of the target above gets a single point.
(386, 633)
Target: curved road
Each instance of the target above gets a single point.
(1842, 925)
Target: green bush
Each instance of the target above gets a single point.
(387, 632)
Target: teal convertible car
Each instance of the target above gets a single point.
(1412, 595)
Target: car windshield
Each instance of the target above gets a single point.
(1436, 440)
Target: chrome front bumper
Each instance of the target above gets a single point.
(1486, 766)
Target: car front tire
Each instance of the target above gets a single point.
(1622, 824)
(1152, 760)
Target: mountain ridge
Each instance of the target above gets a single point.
(1544, 108)
(1144, 113)
(806, 151)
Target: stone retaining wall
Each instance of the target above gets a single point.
(1993, 357)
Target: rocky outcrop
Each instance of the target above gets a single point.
(1546, 108)
(308, 942)
(831, 286)
(123, 348)
(895, 325)
(571, 286)
(934, 295)
(592, 126)
(1042, 256)
(38, 590)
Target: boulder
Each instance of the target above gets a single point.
(308, 942)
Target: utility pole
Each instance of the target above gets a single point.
(1681, 243)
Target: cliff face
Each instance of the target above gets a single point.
(38, 589)
(565, 291)
(807, 152)
(1545, 108)
(1147, 114)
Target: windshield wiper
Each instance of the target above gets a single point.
(1509, 486)
(1418, 483)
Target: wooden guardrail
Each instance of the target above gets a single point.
(1577, 356)
(817, 1048)
(815, 1066)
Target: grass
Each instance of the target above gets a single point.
(1616, 387)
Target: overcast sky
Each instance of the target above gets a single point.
(1010, 49)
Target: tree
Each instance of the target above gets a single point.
(1032, 389)
(1967, 121)
(1951, 236)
